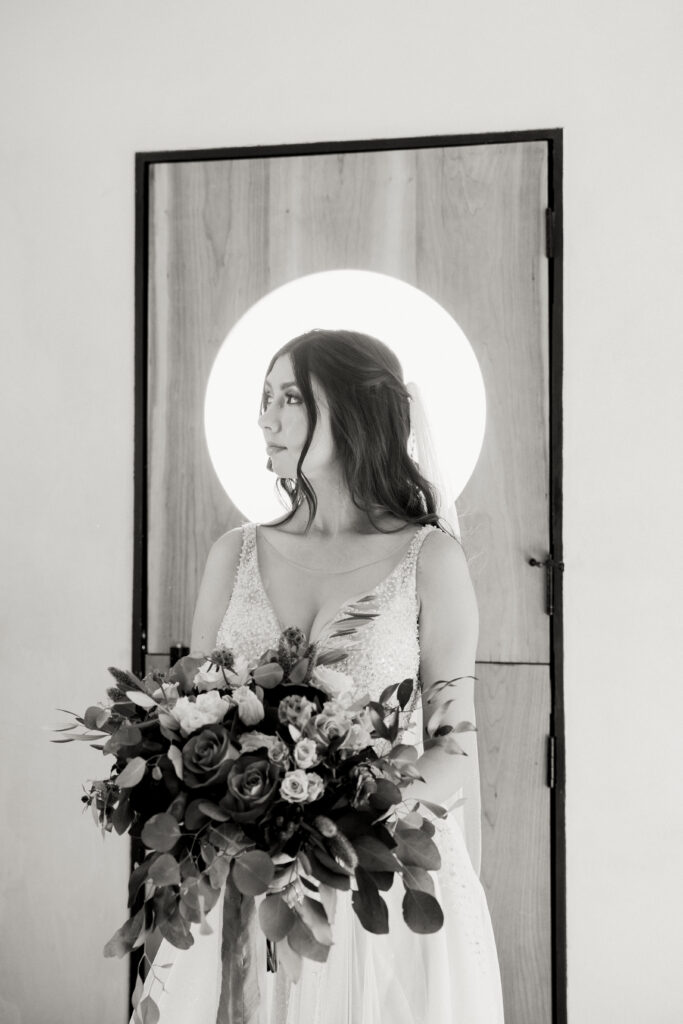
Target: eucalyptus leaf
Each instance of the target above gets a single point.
(90, 716)
(143, 700)
(128, 735)
(176, 758)
(312, 913)
(328, 898)
(252, 872)
(194, 816)
(377, 717)
(388, 692)
(437, 716)
(165, 871)
(303, 942)
(123, 939)
(374, 855)
(149, 1011)
(175, 930)
(405, 692)
(413, 846)
(385, 795)
(212, 811)
(123, 814)
(229, 838)
(370, 908)
(298, 673)
(403, 753)
(276, 918)
(132, 773)
(412, 820)
(331, 656)
(436, 809)
(328, 872)
(161, 833)
(219, 870)
(448, 744)
(417, 878)
(171, 723)
(422, 912)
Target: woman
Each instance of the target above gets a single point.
(362, 535)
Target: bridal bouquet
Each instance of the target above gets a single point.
(269, 779)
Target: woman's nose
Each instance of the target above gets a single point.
(268, 419)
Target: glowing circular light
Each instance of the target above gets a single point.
(432, 348)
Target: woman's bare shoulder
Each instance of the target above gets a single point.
(229, 542)
(441, 566)
(216, 588)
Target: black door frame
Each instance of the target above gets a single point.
(553, 137)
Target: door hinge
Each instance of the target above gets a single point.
(550, 778)
(549, 564)
(550, 234)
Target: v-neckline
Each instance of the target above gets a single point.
(355, 599)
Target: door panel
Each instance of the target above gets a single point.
(464, 224)
(513, 709)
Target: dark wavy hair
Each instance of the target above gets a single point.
(370, 421)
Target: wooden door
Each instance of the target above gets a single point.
(466, 225)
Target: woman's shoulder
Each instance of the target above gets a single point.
(441, 563)
(226, 549)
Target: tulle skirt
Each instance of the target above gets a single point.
(448, 977)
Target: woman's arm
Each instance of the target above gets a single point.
(449, 631)
(215, 591)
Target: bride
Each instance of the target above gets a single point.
(362, 534)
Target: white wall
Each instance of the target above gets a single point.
(84, 86)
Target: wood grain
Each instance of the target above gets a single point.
(513, 709)
(464, 224)
(481, 256)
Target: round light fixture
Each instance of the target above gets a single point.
(432, 348)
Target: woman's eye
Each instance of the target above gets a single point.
(296, 399)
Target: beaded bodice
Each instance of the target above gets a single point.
(380, 650)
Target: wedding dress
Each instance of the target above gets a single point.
(449, 977)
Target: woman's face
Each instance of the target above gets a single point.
(284, 423)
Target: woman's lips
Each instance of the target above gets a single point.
(271, 448)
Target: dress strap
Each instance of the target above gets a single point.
(417, 542)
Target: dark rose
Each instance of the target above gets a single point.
(208, 756)
(252, 784)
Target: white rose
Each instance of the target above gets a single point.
(336, 685)
(207, 709)
(316, 787)
(249, 707)
(208, 678)
(294, 787)
(306, 753)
